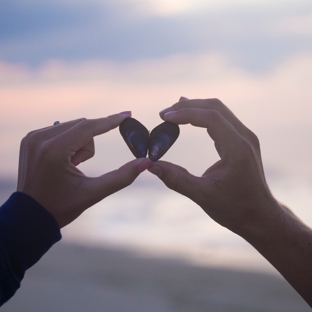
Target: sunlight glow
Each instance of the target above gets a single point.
(173, 7)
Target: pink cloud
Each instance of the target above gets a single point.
(62, 91)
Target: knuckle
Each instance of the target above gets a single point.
(215, 103)
(24, 141)
(83, 122)
(245, 152)
(37, 147)
(28, 136)
(254, 140)
(47, 149)
(82, 119)
(31, 139)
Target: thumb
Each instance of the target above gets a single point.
(116, 180)
(176, 178)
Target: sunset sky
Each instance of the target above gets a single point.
(61, 60)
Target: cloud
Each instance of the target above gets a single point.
(249, 35)
(276, 105)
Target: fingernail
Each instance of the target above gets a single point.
(145, 165)
(182, 98)
(125, 113)
(156, 170)
(170, 114)
(165, 110)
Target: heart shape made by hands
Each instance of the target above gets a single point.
(140, 141)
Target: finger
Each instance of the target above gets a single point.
(84, 153)
(116, 180)
(185, 103)
(176, 178)
(79, 135)
(55, 130)
(47, 133)
(210, 104)
(196, 103)
(227, 140)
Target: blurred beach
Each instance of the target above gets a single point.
(79, 279)
(124, 255)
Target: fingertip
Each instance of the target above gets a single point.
(164, 111)
(168, 109)
(126, 113)
(167, 116)
(174, 177)
(162, 169)
(156, 170)
(126, 174)
(118, 118)
(145, 163)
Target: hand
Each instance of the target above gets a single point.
(48, 172)
(233, 191)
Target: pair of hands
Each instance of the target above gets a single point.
(233, 191)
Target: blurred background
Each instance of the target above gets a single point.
(61, 60)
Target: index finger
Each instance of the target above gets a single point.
(214, 104)
(227, 139)
(80, 134)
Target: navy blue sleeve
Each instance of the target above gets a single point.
(27, 231)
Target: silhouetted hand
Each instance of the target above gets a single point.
(234, 192)
(48, 172)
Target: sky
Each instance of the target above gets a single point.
(68, 59)
(254, 35)
(62, 60)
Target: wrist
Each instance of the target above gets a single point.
(285, 241)
(262, 221)
(275, 228)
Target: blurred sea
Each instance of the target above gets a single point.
(155, 221)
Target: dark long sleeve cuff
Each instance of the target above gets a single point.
(27, 231)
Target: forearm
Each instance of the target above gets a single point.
(286, 242)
